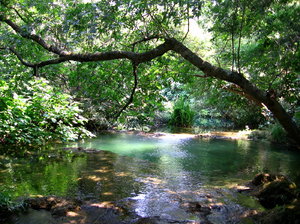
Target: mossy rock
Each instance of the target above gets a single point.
(264, 178)
(277, 192)
(284, 214)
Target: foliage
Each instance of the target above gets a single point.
(260, 39)
(217, 107)
(278, 134)
(257, 38)
(297, 116)
(34, 112)
(7, 204)
(182, 115)
(210, 118)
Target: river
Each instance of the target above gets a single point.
(153, 175)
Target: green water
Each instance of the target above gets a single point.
(151, 175)
(207, 161)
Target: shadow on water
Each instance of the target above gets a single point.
(163, 175)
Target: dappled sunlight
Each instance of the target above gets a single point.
(122, 174)
(104, 169)
(72, 214)
(104, 204)
(152, 180)
(228, 134)
(175, 137)
(95, 178)
(107, 193)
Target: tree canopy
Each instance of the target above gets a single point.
(121, 54)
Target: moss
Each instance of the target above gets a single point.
(278, 192)
(281, 198)
(283, 214)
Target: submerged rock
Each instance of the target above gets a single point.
(81, 150)
(62, 211)
(58, 206)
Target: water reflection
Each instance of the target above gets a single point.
(154, 175)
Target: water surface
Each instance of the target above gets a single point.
(153, 175)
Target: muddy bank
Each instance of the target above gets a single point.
(214, 134)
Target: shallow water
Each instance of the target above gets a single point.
(154, 175)
(213, 162)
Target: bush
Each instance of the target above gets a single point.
(8, 205)
(182, 115)
(34, 112)
(278, 134)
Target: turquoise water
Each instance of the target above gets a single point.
(151, 175)
(213, 161)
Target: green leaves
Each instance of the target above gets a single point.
(182, 115)
(36, 113)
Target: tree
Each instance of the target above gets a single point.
(55, 42)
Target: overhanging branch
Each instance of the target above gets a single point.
(130, 100)
(170, 44)
(237, 90)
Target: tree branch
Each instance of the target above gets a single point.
(144, 40)
(170, 44)
(19, 15)
(237, 90)
(202, 76)
(31, 65)
(188, 25)
(34, 37)
(130, 100)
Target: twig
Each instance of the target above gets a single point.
(188, 18)
(202, 76)
(145, 39)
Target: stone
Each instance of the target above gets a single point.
(277, 192)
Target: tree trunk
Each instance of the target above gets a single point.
(272, 104)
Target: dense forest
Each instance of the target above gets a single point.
(119, 111)
(69, 66)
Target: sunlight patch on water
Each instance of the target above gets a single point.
(175, 137)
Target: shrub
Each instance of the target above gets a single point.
(278, 134)
(34, 112)
(182, 115)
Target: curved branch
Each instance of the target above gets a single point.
(103, 56)
(130, 100)
(34, 37)
(28, 64)
(188, 25)
(144, 40)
